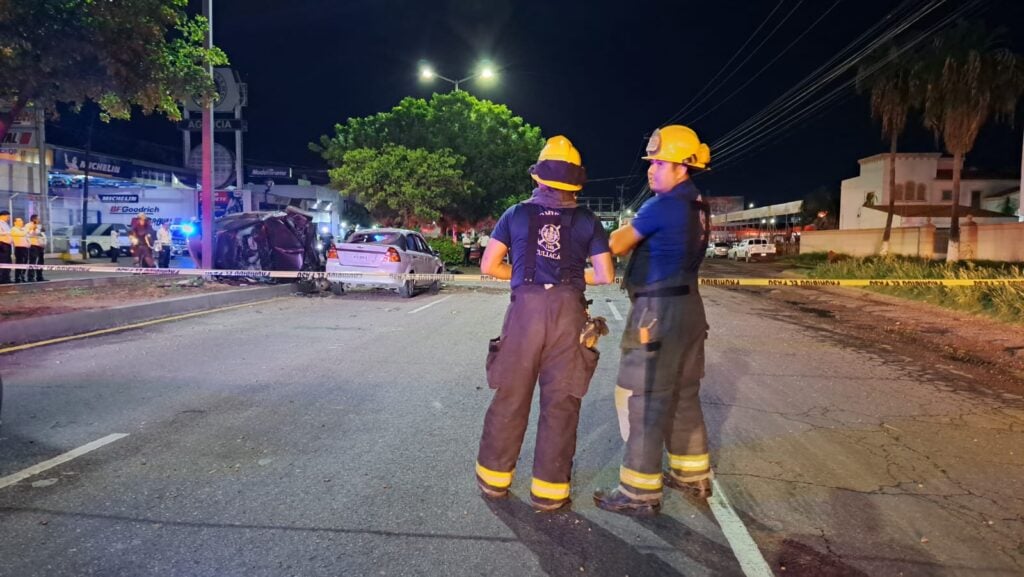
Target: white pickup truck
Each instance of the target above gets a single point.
(753, 248)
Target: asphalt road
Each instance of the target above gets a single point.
(336, 436)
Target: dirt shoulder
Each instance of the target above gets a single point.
(44, 300)
(988, 353)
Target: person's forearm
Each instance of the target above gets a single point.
(502, 271)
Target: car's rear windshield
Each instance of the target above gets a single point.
(723, 244)
(392, 238)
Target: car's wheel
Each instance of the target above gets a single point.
(408, 289)
(95, 250)
(337, 289)
(435, 286)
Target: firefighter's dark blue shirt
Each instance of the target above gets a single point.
(588, 239)
(672, 244)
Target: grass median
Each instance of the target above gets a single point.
(1005, 303)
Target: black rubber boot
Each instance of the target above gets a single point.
(698, 489)
(618, 502)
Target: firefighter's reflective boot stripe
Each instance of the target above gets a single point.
(549, 491)
(689, 468)
(498, 480)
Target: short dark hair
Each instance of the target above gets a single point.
(33, 216)
(5, 213)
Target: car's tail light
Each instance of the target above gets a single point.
(392, 255)
(332, 253)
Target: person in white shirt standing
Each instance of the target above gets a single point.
(163, 245)
(36, 247)
(115, 245)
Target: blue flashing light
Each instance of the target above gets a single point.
(187, 229)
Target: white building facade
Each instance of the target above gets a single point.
(923, 193)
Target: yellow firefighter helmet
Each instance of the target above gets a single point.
(680, 144)
(559, 165)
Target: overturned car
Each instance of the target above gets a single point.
(263, 241)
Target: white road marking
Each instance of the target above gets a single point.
(743, 546)
(428, 305)
(36, 469)
(615, 311)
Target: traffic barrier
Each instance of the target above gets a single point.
(455, 278)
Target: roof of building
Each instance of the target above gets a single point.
(899, 155)
(936, 211)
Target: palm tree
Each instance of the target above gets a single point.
(966, 76)
(888, 79)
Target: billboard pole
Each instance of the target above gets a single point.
(207, 139)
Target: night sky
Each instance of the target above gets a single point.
(603, 73)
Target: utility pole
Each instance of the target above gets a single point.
(207, 139)
(85, 189)
(622, 192)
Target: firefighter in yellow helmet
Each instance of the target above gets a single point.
(550, 239)
(662, 362)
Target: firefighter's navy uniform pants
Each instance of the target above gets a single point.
(658, 392)
(540, 340)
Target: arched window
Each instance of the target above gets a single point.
(870, 199)
(922, 192)
(898, 193)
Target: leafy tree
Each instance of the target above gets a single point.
(497, 146)
(966, 77)
(888, 79)
(408, 184)
(147, 53)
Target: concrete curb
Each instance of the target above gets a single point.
(113, 279)
(29, 330)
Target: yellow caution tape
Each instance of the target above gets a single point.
(456, 278)
(823, 282)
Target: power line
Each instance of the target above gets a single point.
(766, 66)
(738, 147)
(839, 63)
(747, 59)
(686, 106)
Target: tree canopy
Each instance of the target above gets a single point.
(496, 146)
(146, 53)
(966, 77)
(413, 185)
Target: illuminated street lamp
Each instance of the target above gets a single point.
(485, 72)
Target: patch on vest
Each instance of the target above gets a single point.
(549, 245)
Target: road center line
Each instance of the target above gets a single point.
(36, 469)
(743, 546)
(615, 311)
(129, 327)
(428, 305)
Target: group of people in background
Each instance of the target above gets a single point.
(145, 243)
(472, 242)
(21, 243)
